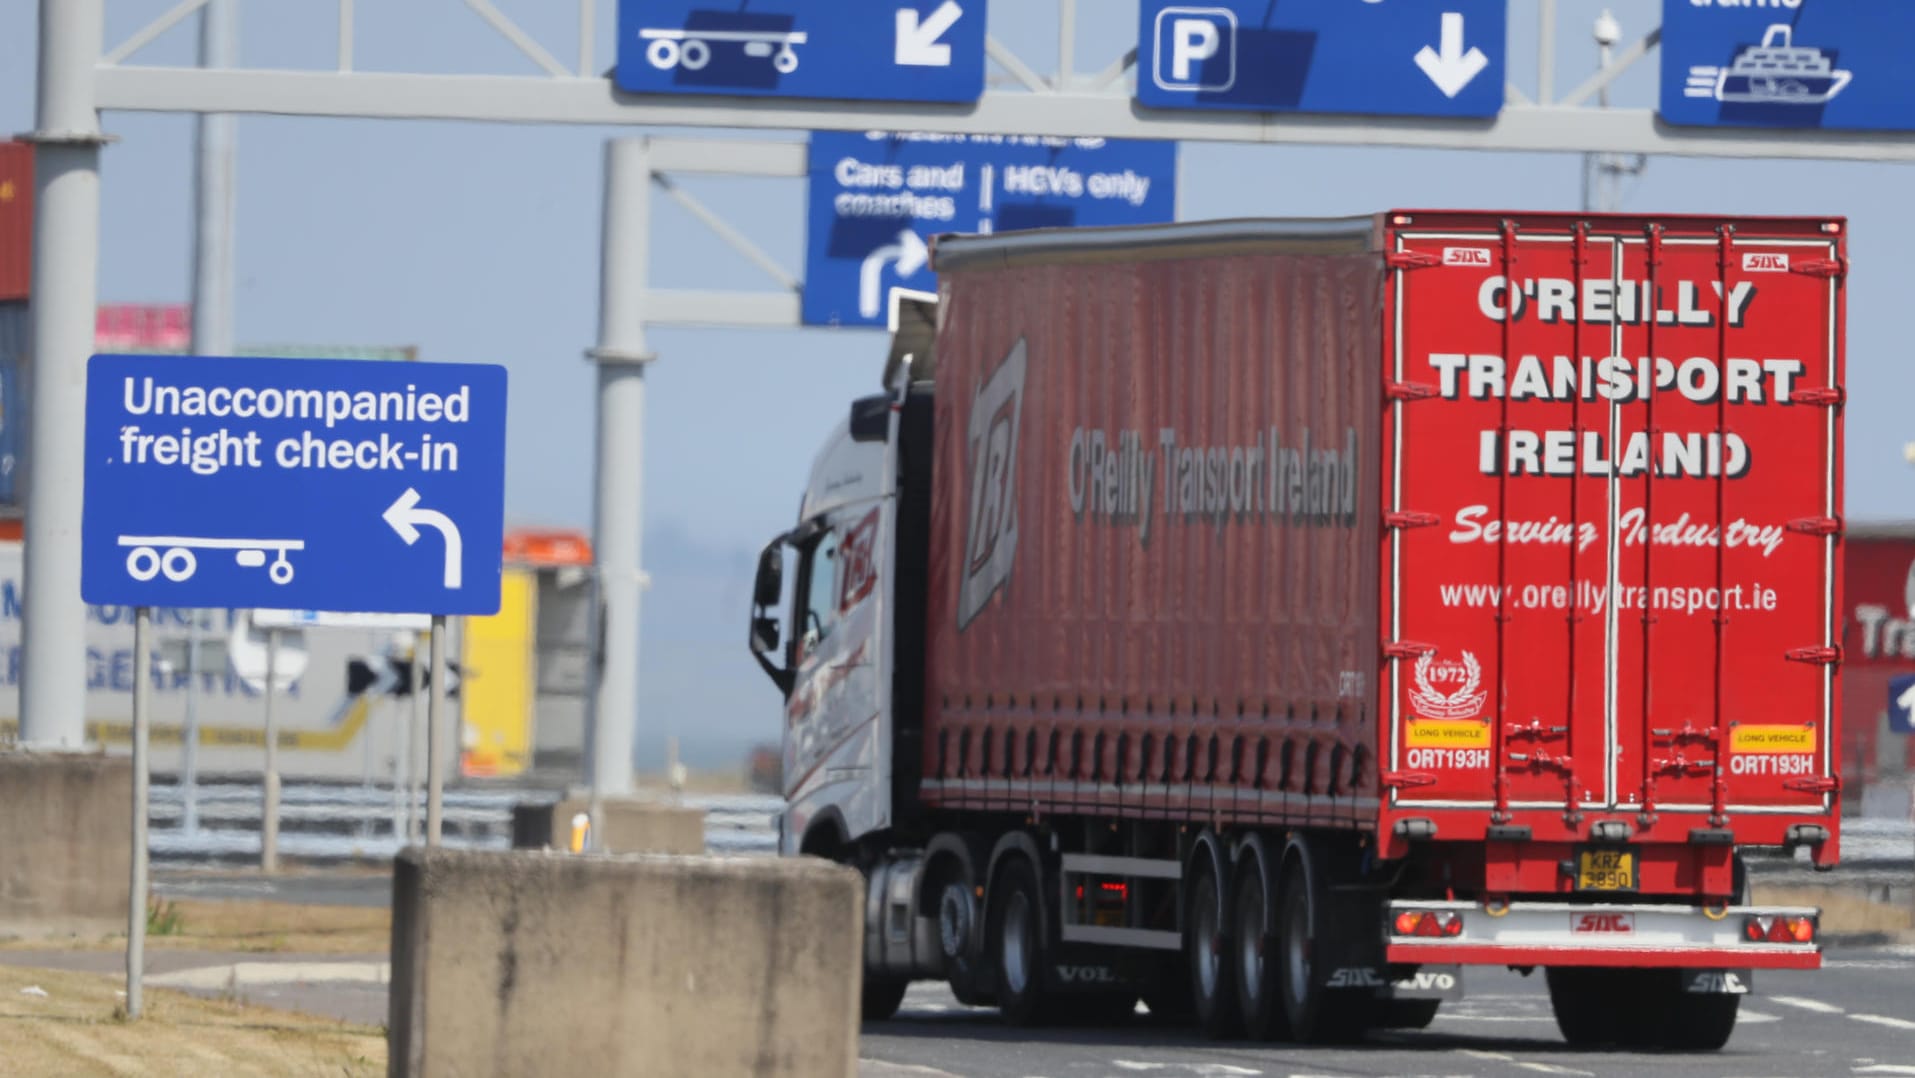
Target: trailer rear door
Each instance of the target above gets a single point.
(1613, 491)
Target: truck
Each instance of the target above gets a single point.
(1271, 620)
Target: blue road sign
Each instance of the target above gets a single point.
(862, 50)
(876, 198)
(1374, 58)
(301, 484)
(1901, 703)
(1833, 64)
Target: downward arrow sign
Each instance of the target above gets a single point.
(1452, 68)
(918, 44)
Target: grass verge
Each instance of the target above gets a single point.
(77, 1028)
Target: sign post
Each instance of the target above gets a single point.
(334, 485)
(269, 787)
(142, 724)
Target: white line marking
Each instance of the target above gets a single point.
(1884, 1020)
(1800, 1003)
(1441, 1017)
(1748, 1015)
(1885, 1068)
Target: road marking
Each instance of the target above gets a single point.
(1202, 1070)
(1885, 1068)
(1545, 1068)
(1441, 1016)
(1800, 1003)
(243, 974)
(1756, 1016)
(878, 1068)
(1884, 1020)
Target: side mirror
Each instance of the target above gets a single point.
(870, 419)
(771, 577)
(764, 635)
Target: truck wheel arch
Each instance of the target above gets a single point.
(826, 837)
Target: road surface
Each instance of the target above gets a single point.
(1854, 1018)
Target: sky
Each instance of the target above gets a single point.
(480, 243)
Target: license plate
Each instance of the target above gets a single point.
(1606, 870)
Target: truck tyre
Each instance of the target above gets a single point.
(1691, 1022)
(882, 996)
(1407, 1013)
(1207, 948)
(1016, 940)
(1307, 941)
(1591, 1005)
(1259, 995)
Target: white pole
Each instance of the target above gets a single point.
(436, 735)
(269, 787)
(142, 720)
(618, 503)
(414, 729)
(66, 250)
(213, 194)
(189, 731)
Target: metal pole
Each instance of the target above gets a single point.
(436, 734)
(269, 788)
(213, 195)
(618, 505)
(212, 308)
(1066, 42)
(142, 720)
(189, 732)
(66, 249)
(413, 749)
(1546, 52)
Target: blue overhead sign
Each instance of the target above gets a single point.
(1830, 64)
(339, 485)
(1375, 58)
(875, 198)
(1901, 703)
(864, 50)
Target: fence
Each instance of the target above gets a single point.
(322, 823)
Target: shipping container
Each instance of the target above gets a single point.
(16, 220)
(1259, 616)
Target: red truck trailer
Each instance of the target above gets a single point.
(1271, 619)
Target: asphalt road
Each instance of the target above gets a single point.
(1855, 1017)
(330, 888)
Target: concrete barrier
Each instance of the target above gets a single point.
(544, 963)
(629, 826)
(66, 840)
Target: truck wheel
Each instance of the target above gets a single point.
(1016, 934)
(1207, 947)
(1305, 932)
(1407, 1013)
(1259, 996)
(1696, 1023)
(1591, 1005)
(882, 997)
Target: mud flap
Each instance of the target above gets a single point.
(1718, 982)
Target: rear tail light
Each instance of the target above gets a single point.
(1779, 930)
(1429, 923)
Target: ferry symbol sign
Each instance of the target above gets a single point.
(322, 485)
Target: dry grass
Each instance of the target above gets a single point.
(256, 927)
(78, 1030)
(1842, 910)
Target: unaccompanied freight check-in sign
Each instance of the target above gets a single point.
(338, 485)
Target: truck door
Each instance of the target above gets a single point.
(1610, 494)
